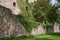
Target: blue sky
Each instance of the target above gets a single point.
(53, 2)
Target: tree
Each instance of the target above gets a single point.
(26, 17)
(45, 13)
(58, 0)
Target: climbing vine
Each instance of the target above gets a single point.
(26, 17)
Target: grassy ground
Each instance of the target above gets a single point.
(38, 37)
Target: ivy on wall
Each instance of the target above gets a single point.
(26, 17)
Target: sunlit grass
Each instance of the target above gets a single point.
(38, 37)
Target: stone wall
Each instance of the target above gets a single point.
(9, 25)
(31, 1)
(56, 27)
(12, 5)
(41, 30)
(38, 30)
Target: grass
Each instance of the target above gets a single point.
(38, 37)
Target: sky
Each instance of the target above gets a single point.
(53, 2)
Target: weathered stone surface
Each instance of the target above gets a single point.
(39, 30)
(56, 27)
(12, 5)
(9, 25)
(31, 1)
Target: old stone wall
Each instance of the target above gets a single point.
(9, 25)
(38, 30)
(56, 27)
(41, 30)
(12, 5)
(31, 1)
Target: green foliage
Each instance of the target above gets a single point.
(53, 15)
(44, 11)
(46, 24)
(58, 0)
(26, 17)
(1, 19)
(39, 12)
(27, 23)
(41, 9)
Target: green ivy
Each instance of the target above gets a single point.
(26, 17)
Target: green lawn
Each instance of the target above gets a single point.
(38, 37)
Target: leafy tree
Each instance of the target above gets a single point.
(45, 13)
(26, 17)
(40, 11)
(58, 0)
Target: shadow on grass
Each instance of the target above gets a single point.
(33, 38)
(54, 34)
(25, 38)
